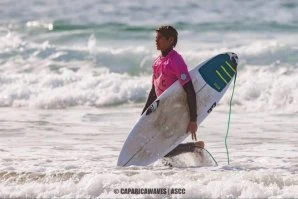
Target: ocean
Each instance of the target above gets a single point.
(75, 75)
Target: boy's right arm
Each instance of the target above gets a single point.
(151, 98)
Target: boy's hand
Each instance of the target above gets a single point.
(192, 128)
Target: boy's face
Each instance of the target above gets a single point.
(162, 43)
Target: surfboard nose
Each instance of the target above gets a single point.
(119, 163)
(121, 160)
(122, 163)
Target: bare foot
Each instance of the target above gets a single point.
(200, 144)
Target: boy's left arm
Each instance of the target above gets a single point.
(192, 105)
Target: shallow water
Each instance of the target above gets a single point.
(73, 153)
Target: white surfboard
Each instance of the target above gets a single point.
(163, 125)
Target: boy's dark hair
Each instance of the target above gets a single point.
(167, 32)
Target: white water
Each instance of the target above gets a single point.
(73, 153)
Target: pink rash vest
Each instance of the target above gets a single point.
(168, 69)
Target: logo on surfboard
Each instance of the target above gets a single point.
(152, 107)
(211, 108)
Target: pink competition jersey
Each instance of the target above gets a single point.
(166, 70)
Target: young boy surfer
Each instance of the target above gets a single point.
(168, 68)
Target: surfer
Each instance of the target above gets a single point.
(168, 68)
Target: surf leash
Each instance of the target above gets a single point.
(229, 120)
(211, 156)
(228, 128)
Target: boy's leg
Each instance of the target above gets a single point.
(187, 147)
